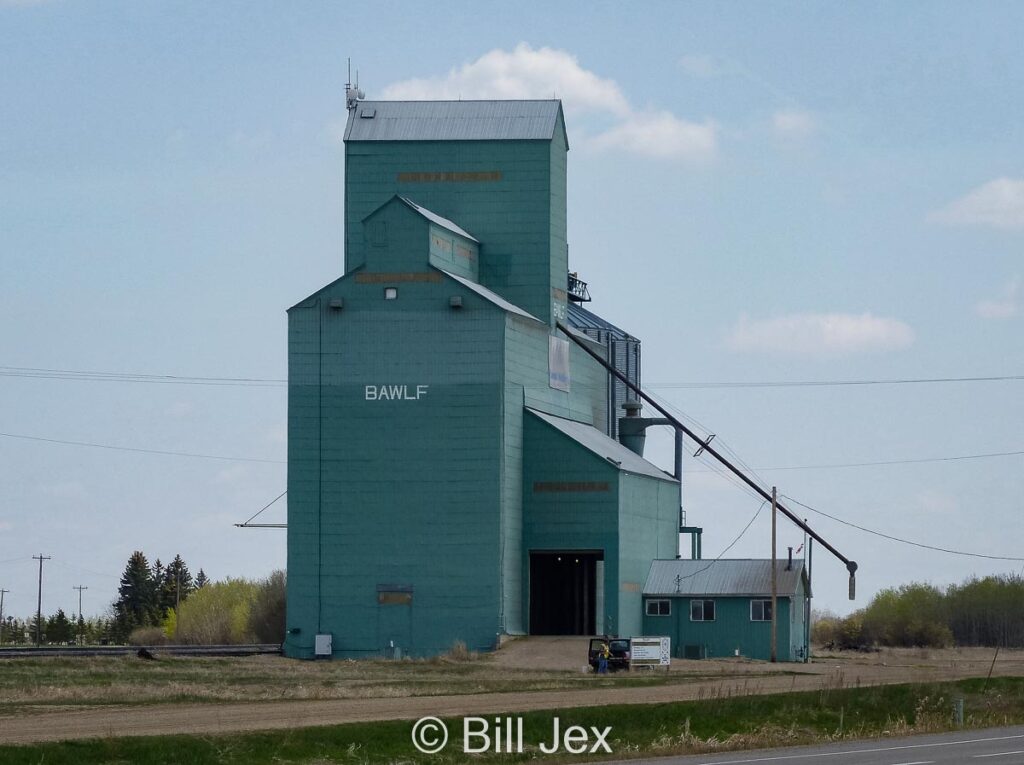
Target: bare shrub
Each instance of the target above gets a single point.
(267, 618)
(459, 652)
(147, 636)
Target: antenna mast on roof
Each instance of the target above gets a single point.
(352, 92)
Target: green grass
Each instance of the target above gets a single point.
(716, 724)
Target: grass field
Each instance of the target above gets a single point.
(47, 682)
(715, 724)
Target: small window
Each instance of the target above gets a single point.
(760, 610)
(702, 610)
(659, 607)
(391, 293)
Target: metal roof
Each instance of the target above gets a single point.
(487, 294)
(452, 120)
(597, 442)
(581, 318)
(722, 577)
(442, 222)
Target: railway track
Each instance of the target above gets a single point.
(32, 652)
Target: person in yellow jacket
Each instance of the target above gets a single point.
(603, 657)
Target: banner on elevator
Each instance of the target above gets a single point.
(558, 363)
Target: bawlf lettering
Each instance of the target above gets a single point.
(395, 392)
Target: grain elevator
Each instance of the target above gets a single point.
(453, 473)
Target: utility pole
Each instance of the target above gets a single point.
(39, 602)
(810, 592)
(177, 599)
(2, 615)
(79, 588)
(775, 584)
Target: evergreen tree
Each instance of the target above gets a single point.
(158, 572)
(201, 579)
(59, 629)
(37, 629)
(176, 586)
(136, 604)
(80, 630)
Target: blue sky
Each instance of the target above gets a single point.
(761, 192)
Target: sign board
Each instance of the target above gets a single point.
(650, 652)
(558, 363)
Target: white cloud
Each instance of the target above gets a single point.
(794, 123)
(1005, 306)
(998, 203)
(661, 135)
(527, 72)
(524, 72)
(820, 334)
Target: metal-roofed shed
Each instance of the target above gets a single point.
(716, 608)
(722, 577)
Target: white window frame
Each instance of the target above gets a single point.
(658, 601)
(766, 604)
(703, 608)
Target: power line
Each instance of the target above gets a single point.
(917, 461)
(899, 539)
(731, 544)
(832, 383)
(138, 377)
(100, 376)
(143, 451)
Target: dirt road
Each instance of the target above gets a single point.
(828, 672)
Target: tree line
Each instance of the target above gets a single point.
(158, 604)
(978, 612)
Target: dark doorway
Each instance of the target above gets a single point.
(563, 589)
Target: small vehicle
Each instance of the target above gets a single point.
(619, 649)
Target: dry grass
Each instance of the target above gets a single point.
(74, 682)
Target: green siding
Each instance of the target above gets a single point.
(394, 492)
(648, 521)
(519, 219)
(731, 630)
(571, 520)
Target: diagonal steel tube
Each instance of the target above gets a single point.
(851, 566)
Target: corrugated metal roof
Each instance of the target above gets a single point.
(442, 222)
(452, 120)
(721, 577)
(597, 442)
(581, 318)
(487, 294)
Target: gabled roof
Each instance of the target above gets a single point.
(595, 441)
(722, 577)
(442, 222)
(453, 120)
(487, 294)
